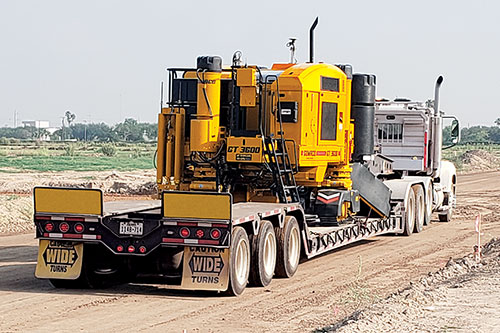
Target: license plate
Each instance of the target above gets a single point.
(130, 228)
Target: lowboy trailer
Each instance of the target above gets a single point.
(256, 168)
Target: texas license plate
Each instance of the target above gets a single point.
(131, 228)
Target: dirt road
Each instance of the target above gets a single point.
(323, 290)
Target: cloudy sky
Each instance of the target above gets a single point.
(104, 60)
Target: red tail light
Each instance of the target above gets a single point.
(119, 248)
(79, 228)
(142, 249)
(200, 233)
(49, 227)
(64, 227)
(184, 232)
(215, 233)
(131, 248)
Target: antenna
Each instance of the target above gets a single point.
(161, 97)
(311, 40)
(291, 46)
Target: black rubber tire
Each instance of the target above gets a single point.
(286, 266)
(87, 280)
(428, 205)
(446, 217)
(409, 217)
(69, 284)
(419, 208)
(258, 274)
(94, 275)
(236, 287)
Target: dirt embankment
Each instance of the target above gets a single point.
(476, 160)
(112, 182)
(462, 296)
(16, 202)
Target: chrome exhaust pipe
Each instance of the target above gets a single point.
(439, 81)
(437, 132)
(311, 40)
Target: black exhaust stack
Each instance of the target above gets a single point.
(311, 40)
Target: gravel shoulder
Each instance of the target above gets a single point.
(463, 296)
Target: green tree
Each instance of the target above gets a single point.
(93, 132)
(129, 130)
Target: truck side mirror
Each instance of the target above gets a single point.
(455, 131)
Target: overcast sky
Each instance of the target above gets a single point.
(104, 60)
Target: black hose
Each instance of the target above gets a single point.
(154, 158)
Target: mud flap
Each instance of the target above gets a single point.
(59, 260)
(205, 268)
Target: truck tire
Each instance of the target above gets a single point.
(88, 279)
(419, 208)
(409, 217)
(263, 259)
(446, 216)
(94, 274)
(239, 262)
(288, 239)
(428, 204)
(69, 284)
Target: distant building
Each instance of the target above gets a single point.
(41, 124)
(36, 123)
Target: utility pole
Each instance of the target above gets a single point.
(62, 130)
(85, 131)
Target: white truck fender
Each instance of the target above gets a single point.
(400, 187)
(448, 176)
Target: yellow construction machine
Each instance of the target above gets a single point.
(256, 168)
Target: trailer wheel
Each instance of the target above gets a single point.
(239, 262)
(263, 259)
(88, 279)
(428, 205)
(98, 270)
(69, 284)
(409, 222)
(419, 208)
(287, 261)
(446, 217)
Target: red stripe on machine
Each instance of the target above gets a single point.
(38, 217)
(328, 201)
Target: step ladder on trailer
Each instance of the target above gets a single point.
(276, 154)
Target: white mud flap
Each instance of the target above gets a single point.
(59, 260)
(205, 268)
